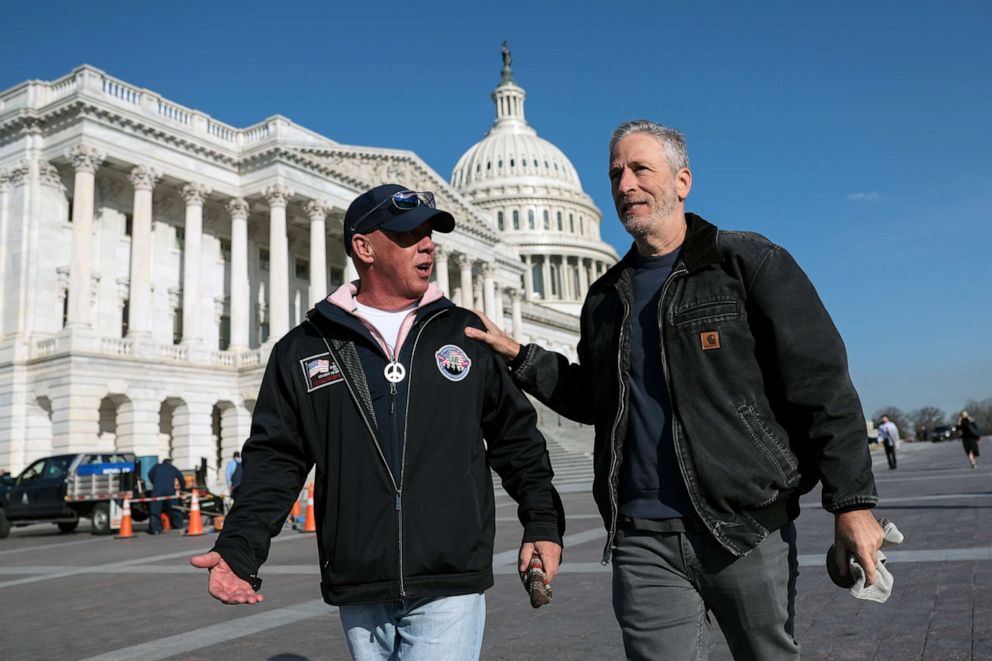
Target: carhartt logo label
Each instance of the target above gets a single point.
(710, 340)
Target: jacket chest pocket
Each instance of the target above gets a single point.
(707, 312)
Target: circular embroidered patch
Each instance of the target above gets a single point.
(452, 362)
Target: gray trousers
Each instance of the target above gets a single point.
(666, 584)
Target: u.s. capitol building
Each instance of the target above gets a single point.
(151, 254)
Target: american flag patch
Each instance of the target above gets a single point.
(320, 371)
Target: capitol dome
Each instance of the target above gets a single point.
(512, 151)
(536, 199)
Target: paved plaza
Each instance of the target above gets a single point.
(80, 597)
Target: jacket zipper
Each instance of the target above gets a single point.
(406, 421)
(397, 488)
(375, 441)
(614, 456)
(693, 498)
(354, 396)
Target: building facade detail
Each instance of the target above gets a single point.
(171, 250)
(533, 193)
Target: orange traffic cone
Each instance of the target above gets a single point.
(296, 512)
(127, 529)
(166, 522)
(309, 524)
(195, 522)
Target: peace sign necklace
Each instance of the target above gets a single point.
(394, 371)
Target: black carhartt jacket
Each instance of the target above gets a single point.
(763, 405)
(424, 525)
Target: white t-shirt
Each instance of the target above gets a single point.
(387, 322)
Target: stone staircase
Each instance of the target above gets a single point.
(569, 445)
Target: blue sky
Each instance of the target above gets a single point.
(855, 134)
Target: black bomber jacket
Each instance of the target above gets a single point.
(763, 405)
(424, 525)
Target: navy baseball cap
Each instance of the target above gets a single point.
(394, 208)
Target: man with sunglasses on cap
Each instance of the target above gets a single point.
(403, 417)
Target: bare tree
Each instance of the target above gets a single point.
(981, 411)
(924, 419)
(897, 416)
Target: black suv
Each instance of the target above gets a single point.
(943, 433)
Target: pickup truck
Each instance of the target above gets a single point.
(65, 488)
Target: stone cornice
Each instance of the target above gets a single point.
(573, 249)
(549, 317)
(493, 199)
(72, 109)
(372, 167)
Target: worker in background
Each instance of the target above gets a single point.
(232, 466)
(166, 480)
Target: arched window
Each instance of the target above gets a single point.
(559, 221)
(547, 220)
(516, 219)
(582, 225)
(571, 223)
(499, 220)
(530, 219)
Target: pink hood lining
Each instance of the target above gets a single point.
(344, 298)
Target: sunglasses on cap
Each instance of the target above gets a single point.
(404, 200)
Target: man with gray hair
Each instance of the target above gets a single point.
(719, 390)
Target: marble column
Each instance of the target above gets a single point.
(500, 311)
(515, 316)
(317, 212)
(441, 270)
(465, 269)
(84, 161)
(568, 279)
(583, 278)
(546, 276)
(240, 292)
(489, 291)
(278, 197)
(4, 203)
(194, 194)
(139, 304)
(528, 279)
(477, 302)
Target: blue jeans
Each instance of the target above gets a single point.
(666, 585)
(425, 629)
